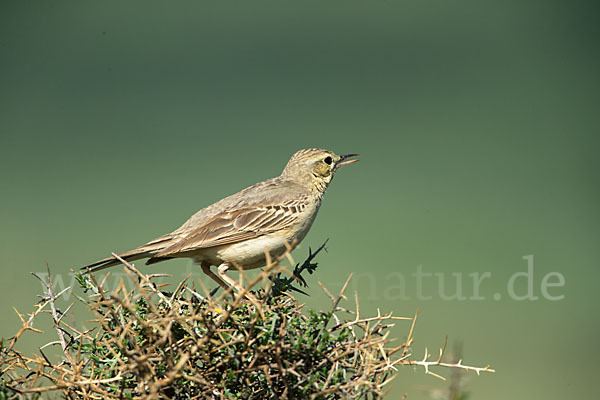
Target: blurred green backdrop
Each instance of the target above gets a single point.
(476, 121)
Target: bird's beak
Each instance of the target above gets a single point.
(346, 160)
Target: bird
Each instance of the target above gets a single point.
(268, 217)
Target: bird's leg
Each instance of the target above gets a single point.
(222, 271)
(207, 271)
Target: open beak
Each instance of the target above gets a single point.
(346, 160)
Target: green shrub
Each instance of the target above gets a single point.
(147, 343)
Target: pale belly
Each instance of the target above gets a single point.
(250, 253)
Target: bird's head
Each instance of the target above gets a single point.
(316, 167)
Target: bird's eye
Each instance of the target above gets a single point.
(328, 160)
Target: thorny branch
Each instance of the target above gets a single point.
(57, 315)
(148, 344)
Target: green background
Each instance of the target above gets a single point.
(476, 121)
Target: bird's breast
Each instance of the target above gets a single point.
(304, 222)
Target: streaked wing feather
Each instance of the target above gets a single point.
(235, 226)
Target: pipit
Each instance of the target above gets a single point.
(239, 230)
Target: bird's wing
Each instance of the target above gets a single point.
(236, 225)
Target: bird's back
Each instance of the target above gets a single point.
(274, 191)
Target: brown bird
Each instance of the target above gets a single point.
(237, 230)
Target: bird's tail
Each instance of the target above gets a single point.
(145, 251)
